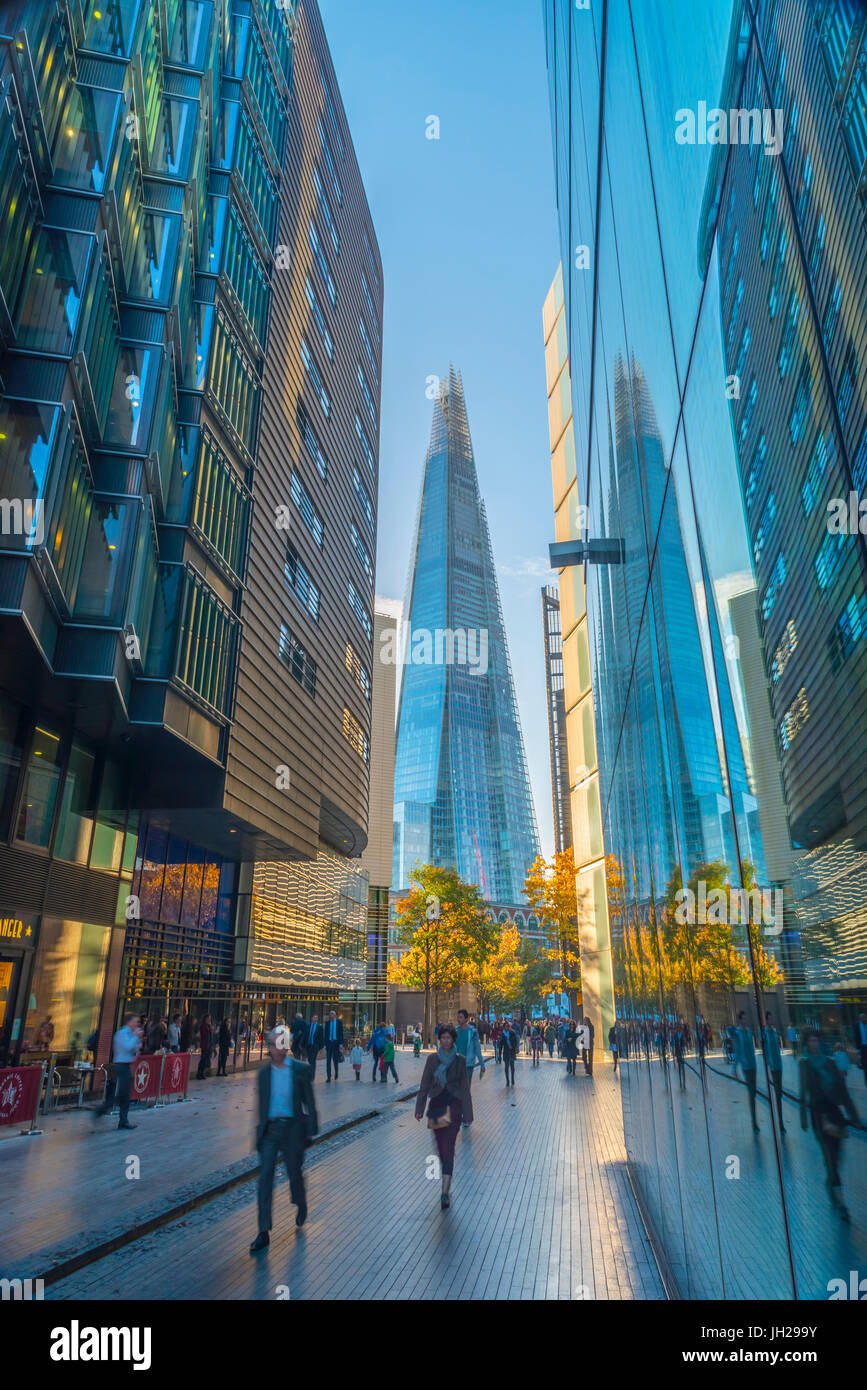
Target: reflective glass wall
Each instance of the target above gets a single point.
(716, 314)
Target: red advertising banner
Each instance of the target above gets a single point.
(176, 1072)
(145, 1078)
(19, 1094)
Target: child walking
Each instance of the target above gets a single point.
(388, 1060)
(356, 1057)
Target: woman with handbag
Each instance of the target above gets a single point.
(823, 1091)
(444, 1084)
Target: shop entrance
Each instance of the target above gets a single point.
(10, 975)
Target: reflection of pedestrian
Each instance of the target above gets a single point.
(744, 1054)
(313, 1042)
(286, 1125)
(224, 1042)
(824, 1094)
(45, 1035)
(125, 1048)
(205, 1042)
(678, 1043)
(774, 1059)
(509, 1044)
(444, 1086)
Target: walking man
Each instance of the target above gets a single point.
(774, 1059)
(333, 1043)
(509, 1044)
(313, 1042)
(376, 1045)
(299, 1033)
(470, 1049)
(587, 1047)
(224, 1042)
(745, 1057)
(125, 1048)
(286, 1125)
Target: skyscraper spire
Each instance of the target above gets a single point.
(462, 793)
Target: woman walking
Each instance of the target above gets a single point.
(570, 1047)
(824, 1093)
(444, 1084)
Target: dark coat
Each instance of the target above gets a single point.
(315, 1039)
(510, 1041)
(570, 1044)
(458, 1086)
(327, 1031)
(303, 1104)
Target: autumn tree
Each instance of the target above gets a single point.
(551, 893)
(504, 972)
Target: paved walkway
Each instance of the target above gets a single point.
(67, 1189)
(542, 1209)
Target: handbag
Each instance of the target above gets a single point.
(440, 1119)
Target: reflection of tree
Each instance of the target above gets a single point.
(551, 892)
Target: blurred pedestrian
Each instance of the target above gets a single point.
(509, 1044)
(470, 1048)
(570, 1047)
(333, 1044)
(774, 1058)
(224, 1042)
(286, 1125)
(444, 1086)
(173, 1034)
(126, 1046)
(745, 1058)
(824, 1095)
(206, 1035)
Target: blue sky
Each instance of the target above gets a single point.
(467, 231)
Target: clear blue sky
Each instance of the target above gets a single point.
(467, 231)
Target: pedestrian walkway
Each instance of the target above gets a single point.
(67, 1189)
(541, 1209)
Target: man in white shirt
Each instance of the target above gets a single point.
(125, 1048)
(286, 1125)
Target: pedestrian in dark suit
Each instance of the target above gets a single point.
(510, 1041)
(313, 1040)
(224, 1042)
(587, 1050)
(286, 1123)
(333, 1044)
(299, 1033)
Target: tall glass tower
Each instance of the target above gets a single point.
(461, 790)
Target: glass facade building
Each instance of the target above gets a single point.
(461, 790)
(711, 201)
(557, 748)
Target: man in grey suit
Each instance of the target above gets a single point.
(285, 1125)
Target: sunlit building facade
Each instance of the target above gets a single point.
(715, 314)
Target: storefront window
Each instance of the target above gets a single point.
(66, 991)
(10, 759)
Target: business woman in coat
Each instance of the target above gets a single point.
(445, 1086)
(570, 1047)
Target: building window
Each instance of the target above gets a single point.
(357, 669)
(748, 409)
(329, 160)
(298, 578)
(361, 551)
(366, 448)
(775, 583)
(829, 558)
(357, 605)
(301, 665)
(848, 377)
(366, 393)
(368, 346)
(309, 515)
(755, 473)
(767, 522)
(786, 645)
(319, 315)
(831, 312)
(322, 263)
(735, 309)
(311, 441)
(789, 333)
(355, 735)
(742, 352)
(41, 785)
(794, 719)
(370, 305)
(801, 404)
(332, 112)
(315, 376)
(364, 501)
(325, 210)
(849, 630)
(816, 470)
(855, 115)
(370, 259)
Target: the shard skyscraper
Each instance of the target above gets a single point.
(461, 791)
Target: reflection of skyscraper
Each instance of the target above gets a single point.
(669, 671)
(557, 749)
(791, 248)
(461, 790)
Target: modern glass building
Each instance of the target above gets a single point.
(461, 790)
(174, 206)
(711, 200)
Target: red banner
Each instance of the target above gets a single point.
(145, 1078)
(19, 1094)
(176, 1073)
